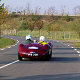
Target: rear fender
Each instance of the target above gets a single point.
(50, 44)
(20, 47)
(46, 47)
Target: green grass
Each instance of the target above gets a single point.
(4, 42)
(77, 44)
(56, 35)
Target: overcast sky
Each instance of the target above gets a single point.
(43, 4)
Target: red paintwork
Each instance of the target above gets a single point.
(41, 51)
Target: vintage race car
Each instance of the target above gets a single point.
(35, 50)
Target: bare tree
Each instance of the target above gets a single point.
(31, 23)
(39, 25)
(51, 10)
(63, 9)
(37, 10)
(45, 12)
(76, 10)
(28, 9)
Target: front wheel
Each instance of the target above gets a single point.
(19, 57)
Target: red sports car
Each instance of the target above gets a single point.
(35, 50)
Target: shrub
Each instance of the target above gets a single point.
(23, 26)
(67, 18)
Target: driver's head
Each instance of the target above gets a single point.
(42, 38)
(28, 37)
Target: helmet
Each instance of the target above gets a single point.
(28, 37)
(42, 38)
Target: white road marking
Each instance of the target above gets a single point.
(78, 52)
(11, 38)
(9, 47)
(68, 45)
(17, 41)
(75, 49)
(9, 64)
(13, 45)
(72, 47)
(2, 49)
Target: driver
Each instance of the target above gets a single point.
(28, 39)
(42, 40)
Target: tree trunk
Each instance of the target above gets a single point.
(79, 34)
(69, 35)
(0, 32)
(64, 35)
(39, 33)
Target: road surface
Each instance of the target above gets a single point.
(64, 65)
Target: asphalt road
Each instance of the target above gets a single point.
(64, 65)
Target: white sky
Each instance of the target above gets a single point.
(43, 4)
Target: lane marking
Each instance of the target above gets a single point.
(17, 41)
(2, 49)
(11, 38)
(72, 47)
(13, 45)
(78, 52)
(57, 41)
(75, 49)
(68, 45)
(9, 64)
(9, 47)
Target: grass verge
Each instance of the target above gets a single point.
(77, 44)
(4, 42)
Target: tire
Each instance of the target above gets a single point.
(50, 55)
(19, 58)
(47, 57)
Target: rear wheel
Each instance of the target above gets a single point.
(19, 57)
(50, 53)
(47, 57)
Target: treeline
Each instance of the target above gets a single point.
(33, 20)
(3, 15)
(42, 22)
